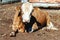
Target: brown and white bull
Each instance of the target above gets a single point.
(25, 13)
(40, 16)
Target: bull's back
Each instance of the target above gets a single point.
(39, 16)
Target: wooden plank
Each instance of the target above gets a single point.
(46, 4)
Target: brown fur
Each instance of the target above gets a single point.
(41, 16)
(17, 22)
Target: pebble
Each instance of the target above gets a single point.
(3, 35)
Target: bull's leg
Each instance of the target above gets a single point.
(34, 27)
(21, 28)
(50, 24)
(16, 21)
(14, 28)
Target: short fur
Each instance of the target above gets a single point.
(17, 22)
(43, 18)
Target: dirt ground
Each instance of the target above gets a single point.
(6, 17)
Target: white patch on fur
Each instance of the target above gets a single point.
(26, 9)
(31, 31)
(51, 26)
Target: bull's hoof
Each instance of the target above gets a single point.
(12, 34)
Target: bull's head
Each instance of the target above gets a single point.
(26, 9)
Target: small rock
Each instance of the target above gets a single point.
(0, 19)
(3, 35)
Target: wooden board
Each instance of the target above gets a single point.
(46, 5)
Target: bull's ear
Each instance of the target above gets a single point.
(18, 8)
